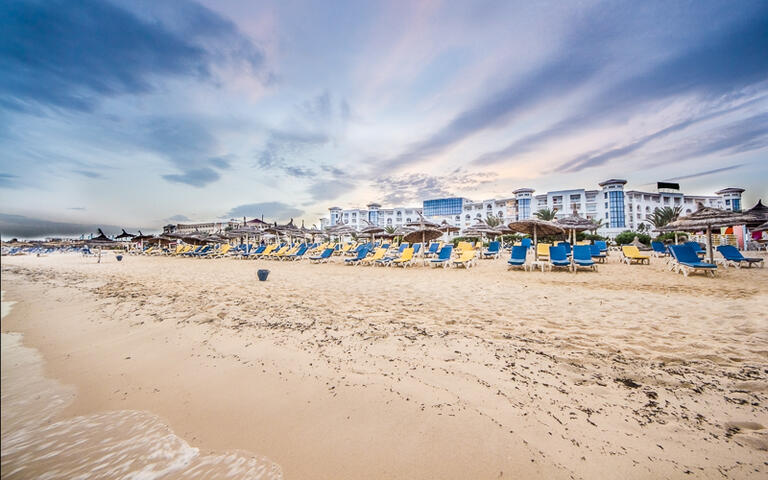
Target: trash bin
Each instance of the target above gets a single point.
(119, 257)
(262, 275)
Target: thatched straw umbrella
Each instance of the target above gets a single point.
(446, 227)
(372, 230)
(707, 218)
(759, 211)
(534, 226)
(341, 229)
(761, 228)
(125, 236)
(574, 223)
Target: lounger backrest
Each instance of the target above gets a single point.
(403, 246)
(379, 253)
(730, 252)
(602, 245)
(582, 252)
(302, 250)
(658, 247)
(543, 249)
(494, 246)
(557, 253)
(595, 250)
(407, 254)
(445, 252)
(416, 247)
(694, 246)
(433, 247)
(684, 253)
(327, 253)
(526, 242)
(519, 252)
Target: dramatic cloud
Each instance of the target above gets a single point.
(55, 54)
(88, 173)
(198, 177)
(8, 181)
(329, 189)
(270, 210)
(704, 174)
(418, 186)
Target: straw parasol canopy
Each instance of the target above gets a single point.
(707, 218)
(341, 229)
(761, 228)
(423, 235)
(446, 227)
(534, 226)
(759, 211)
(574, 223)
(140, 237)
(125, 235)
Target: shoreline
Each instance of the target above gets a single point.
(337, 389)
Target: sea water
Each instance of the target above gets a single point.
(124, 444)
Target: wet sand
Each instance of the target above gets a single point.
(358, 372)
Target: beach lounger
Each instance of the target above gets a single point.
(596, 254)
(493, 250)
(433, 248)
(686, 261)
(443, 257)
(279, 253)
(466, 259)
(464, 246)
(526, 242)
(378, 254)
(222, 252)
(696, 247)
(361, 254)
(602, 245)
(518, 257)
(632, 255)
(324, 257)
(405, 259)
(543, 250)
(582, 258)
(416, 247)
(659, 250)
(558, 258)
(297, 255)
(732, 256)
(567, 247)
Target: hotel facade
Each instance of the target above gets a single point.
(619, 208)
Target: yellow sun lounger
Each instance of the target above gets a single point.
(543, 250)
(466, 259)
(223, 251)
(633, 255)
(377, 255)
(267, 251)
(405, 259)
(463, 246)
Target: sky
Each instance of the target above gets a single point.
(144, 112)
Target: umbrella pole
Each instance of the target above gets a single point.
(535, 244)
(709, 244)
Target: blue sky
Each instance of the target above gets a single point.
(138, 113)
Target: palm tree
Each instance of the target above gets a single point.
(493, 221)
(389, 229)
(662, 216)
(546, 214)
(598, 225)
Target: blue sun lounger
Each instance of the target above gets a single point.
(432, 249)
(596, 254)
(659, 250)
(443, 257)
(567, 247)
(582, 257)
(517, 259)
(323, 257)
(687, 261)
(493, 250)
(558, 258)
(732, 256)
(361, 254)
(601, 245)
(296, 256)
(696, 248)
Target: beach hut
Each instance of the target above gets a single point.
(534, 226)
(707, 218)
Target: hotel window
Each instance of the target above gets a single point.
(467, 217)
(408, 220)
(736, 204)
(500, 214)
(389, 221)
(524, 209)
(442, 207)
(616, 200)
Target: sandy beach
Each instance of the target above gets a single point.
(337, 372)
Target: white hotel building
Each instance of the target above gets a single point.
(619, 209)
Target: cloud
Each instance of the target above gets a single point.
(88, 173)
(198, 177)
(178, 218)
(329, 189)
(52, 54)
(416, 187)
(8, 181)
(26, 227)
(731, 59)
(705, 173)
(76, 208)
(270, 210)
(220, 163)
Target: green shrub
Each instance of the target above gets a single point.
(627, 236)
(588, 236)
(669, 237)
